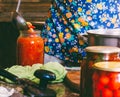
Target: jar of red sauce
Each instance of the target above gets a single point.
(30, 48)
(95, 54)
(106, 79)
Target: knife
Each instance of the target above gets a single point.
(31, 88)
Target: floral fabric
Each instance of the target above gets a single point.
(69, 20)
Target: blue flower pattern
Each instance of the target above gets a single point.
(69, 20)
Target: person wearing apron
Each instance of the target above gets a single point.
(69, 20)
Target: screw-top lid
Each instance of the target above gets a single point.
(102, 49)
(108, 66)
(105, 32)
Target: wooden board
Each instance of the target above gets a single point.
(35, 10)
(72, 80)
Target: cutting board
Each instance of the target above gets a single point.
(72, 80)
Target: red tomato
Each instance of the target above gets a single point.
(113, 75)
(104, 79)
(116, 93)
(98, 86)
(107, 93)
(114, 84)
(113, 57)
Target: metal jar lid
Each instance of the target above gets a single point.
(112, 66)
(102, 49)
(105, 32)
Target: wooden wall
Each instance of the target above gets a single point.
(31, 10)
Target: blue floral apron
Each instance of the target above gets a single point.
(69, 20)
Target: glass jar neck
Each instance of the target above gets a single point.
(27, 33)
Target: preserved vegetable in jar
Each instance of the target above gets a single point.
(30, 48)
(95, 54)
(106, 79)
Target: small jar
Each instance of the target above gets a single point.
(106, 79)
(95, 54)
(30, 48)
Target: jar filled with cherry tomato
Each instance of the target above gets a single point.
(95, 54)
(30, 48)
(106, 79)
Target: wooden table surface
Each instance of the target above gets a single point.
(63, 91)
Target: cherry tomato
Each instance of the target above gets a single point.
(114, 84)
(113, 75)
(104, 79)
(116, 93)
(98, 85)
(107, 93)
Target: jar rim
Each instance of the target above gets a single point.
(112, 66)
(35, 31)
(105, 32)
(102, 49)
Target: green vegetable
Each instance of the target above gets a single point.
(28, 71)
(57, 69)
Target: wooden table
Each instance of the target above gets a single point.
(63, 91)
(60, 88)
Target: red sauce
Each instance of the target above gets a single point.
(30, 49)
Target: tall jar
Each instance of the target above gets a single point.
(30, 48)
(95, 54)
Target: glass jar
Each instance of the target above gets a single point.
(106, 79)
(95, 54)
(30, 48)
